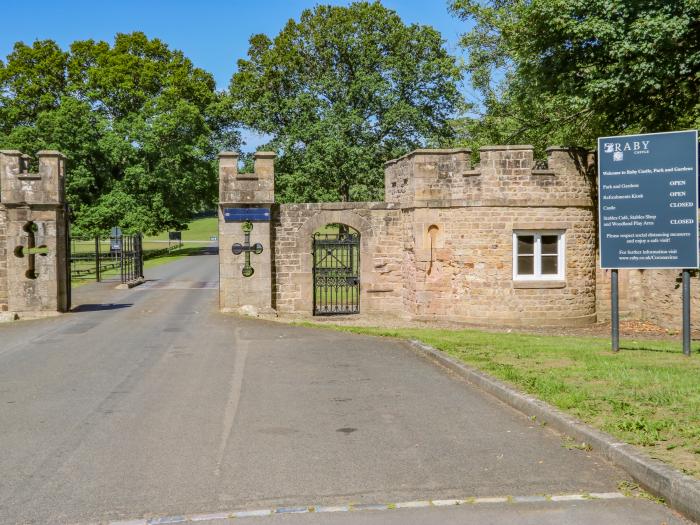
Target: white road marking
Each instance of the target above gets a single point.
(509, 500)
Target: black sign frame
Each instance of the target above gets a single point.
(610, 261)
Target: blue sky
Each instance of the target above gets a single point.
(212, 33)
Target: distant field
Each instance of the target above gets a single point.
(198, 230)
(195, 237)
(198, 234)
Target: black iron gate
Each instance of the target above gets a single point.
(131, 258)
(336, 273)
(106, 258)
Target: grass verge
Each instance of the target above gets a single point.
(647, 395)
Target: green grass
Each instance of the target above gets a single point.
(647, 395)
(195, 237)
(328, 297)
(198, 230)
(154, 262)
(198, 234)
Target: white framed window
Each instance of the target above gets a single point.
(538, 255)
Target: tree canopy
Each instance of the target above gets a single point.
(139, 123)
(567, 71)
(341, 91)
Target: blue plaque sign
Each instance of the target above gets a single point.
(246, 214)
(648, 200)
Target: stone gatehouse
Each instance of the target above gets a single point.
(505, 242)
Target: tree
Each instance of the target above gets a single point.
(341, 91)
(139, 123)
(567, 71)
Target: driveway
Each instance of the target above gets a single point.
(148, 403)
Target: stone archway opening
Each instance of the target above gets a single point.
(336, 270)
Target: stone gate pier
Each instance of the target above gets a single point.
(34, 266)
(245, 234)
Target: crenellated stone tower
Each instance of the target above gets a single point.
(33, 236)
(245, 237)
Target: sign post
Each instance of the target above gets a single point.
(647, 209)
(115, 241)
(614, 310)
(686, 312)
(175, 236)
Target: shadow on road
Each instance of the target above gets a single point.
(100, 307)
(208, 250)
(192, 251)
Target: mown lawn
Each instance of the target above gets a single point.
(198, 230)
(648, 394)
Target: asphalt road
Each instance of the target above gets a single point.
(148, 403)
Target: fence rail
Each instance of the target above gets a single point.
(104, 258)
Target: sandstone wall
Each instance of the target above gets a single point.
(631, 295)
(468, 274)
(442, 264)
(243, 190)
(506, 175)
(426, 175)
(33, 247)
(3, 259)
(458, 224)
(649, 295)
(662, 299)
(381, 255)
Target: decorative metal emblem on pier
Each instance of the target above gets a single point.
(31, 250)
(246, 248)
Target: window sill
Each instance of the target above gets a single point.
(538, 284)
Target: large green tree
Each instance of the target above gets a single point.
(342, 90)
(139, 123)
(567, 71)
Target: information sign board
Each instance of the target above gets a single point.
(246, 214)
(648, 200)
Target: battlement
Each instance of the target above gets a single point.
(241, 188)
(506, 175)
(19, 186)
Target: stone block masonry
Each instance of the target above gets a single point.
(33, 227)
(467, 275)
(441, 246)
(653, 296)
(3, 261)
(444, 243)
(381, 253)
(458, 228)
(239, 291)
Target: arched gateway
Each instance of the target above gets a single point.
(336, 270)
